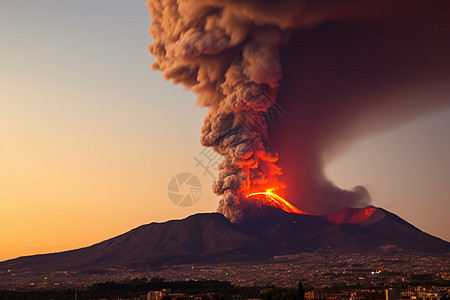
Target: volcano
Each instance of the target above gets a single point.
(264, 232)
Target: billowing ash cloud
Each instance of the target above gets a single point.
(330, 64)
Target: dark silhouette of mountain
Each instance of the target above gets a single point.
(263, 233)
(385, 227)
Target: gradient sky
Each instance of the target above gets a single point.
(90, 136)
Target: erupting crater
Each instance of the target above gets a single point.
(271, 199)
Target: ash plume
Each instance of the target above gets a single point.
(239, 56)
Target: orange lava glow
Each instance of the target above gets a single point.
(352, 215)
(272, 199)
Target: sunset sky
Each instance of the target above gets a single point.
(90, 136)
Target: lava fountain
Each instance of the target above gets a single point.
(271, 199)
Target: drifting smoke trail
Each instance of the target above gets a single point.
(228, 52)
(342, 80)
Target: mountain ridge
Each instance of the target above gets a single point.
(263, 233)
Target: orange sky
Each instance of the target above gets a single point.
(90, 136)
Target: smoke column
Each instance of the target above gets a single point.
(326, 62)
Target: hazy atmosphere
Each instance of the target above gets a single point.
(90, 135)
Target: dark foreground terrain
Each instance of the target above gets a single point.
(417, 287)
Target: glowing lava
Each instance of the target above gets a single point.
(272, 199)
(352, 215)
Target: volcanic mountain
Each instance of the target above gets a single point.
(264, 232)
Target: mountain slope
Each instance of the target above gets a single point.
(264, 232)
(387, 227)
(200, 237)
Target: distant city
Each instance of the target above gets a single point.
(324, 275)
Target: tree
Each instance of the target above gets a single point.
(300, 291)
